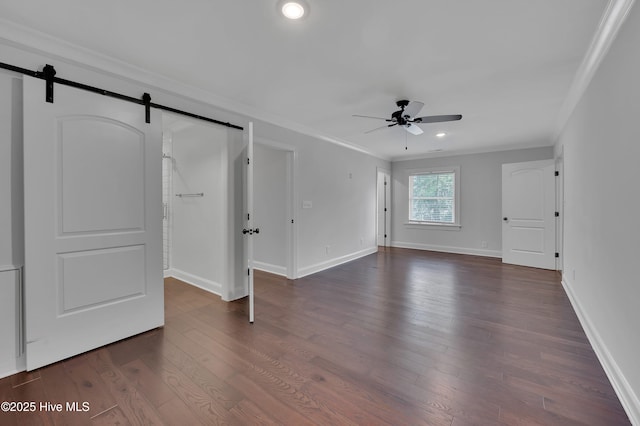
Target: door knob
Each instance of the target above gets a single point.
(506, 219)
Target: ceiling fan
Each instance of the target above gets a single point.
(405, 117)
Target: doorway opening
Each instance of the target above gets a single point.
(274, 213)
(383, 210)
(194, 197)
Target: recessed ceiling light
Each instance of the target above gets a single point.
(293, 10)
(441, 134)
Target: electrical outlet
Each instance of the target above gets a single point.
(328, 249)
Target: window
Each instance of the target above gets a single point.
(433, 197)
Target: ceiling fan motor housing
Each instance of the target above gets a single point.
(398, 118)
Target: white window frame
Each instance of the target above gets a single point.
(456, 198)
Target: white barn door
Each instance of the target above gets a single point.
(93, 222)
(528, 214)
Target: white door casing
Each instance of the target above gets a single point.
(560, 210)
(93, 222)
(528, 210)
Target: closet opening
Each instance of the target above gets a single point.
(195, 191)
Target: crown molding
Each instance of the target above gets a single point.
(610, 24)
(473, 151)
(42, 44)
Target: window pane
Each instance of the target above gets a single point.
(433, 185)
(432, 197)
(425, 186)
(432, 210)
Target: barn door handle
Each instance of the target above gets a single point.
(251, 231)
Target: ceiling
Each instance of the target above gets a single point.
(505, 65)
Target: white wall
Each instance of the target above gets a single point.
(11, 360)
(601, 148)
(199, 245)
(11, 222)
(271, 212)
(341, 223)
(11, 199)
(480, 202)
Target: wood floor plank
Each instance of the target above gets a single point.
(51, 376)
(31, 391)
(176, 412)
(200, 402)
(133, 404)
(88, 383)
(114, 416)
(147, 382)
(269, 402)
(376, 407)
(247, 413)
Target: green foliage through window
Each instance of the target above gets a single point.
(432, 197)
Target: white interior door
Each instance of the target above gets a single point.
(248, 230)
(528, 210)
(93, 222)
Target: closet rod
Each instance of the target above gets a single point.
(44, 76)
(198, 194)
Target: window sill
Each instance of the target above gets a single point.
(441, 226)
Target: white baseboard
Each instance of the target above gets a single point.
(12, 329)
(207, 285)
(302, 272)
(448, 249)
(273, 269)
(10, 368)
(628, 398)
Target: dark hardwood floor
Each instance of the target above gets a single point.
(401, 337)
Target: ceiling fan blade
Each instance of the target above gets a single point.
(436, 118)
(413, 129)
(369, 116)
(413, 108)
(380, 128)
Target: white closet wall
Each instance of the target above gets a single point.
(198, 252)
(11, 224)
